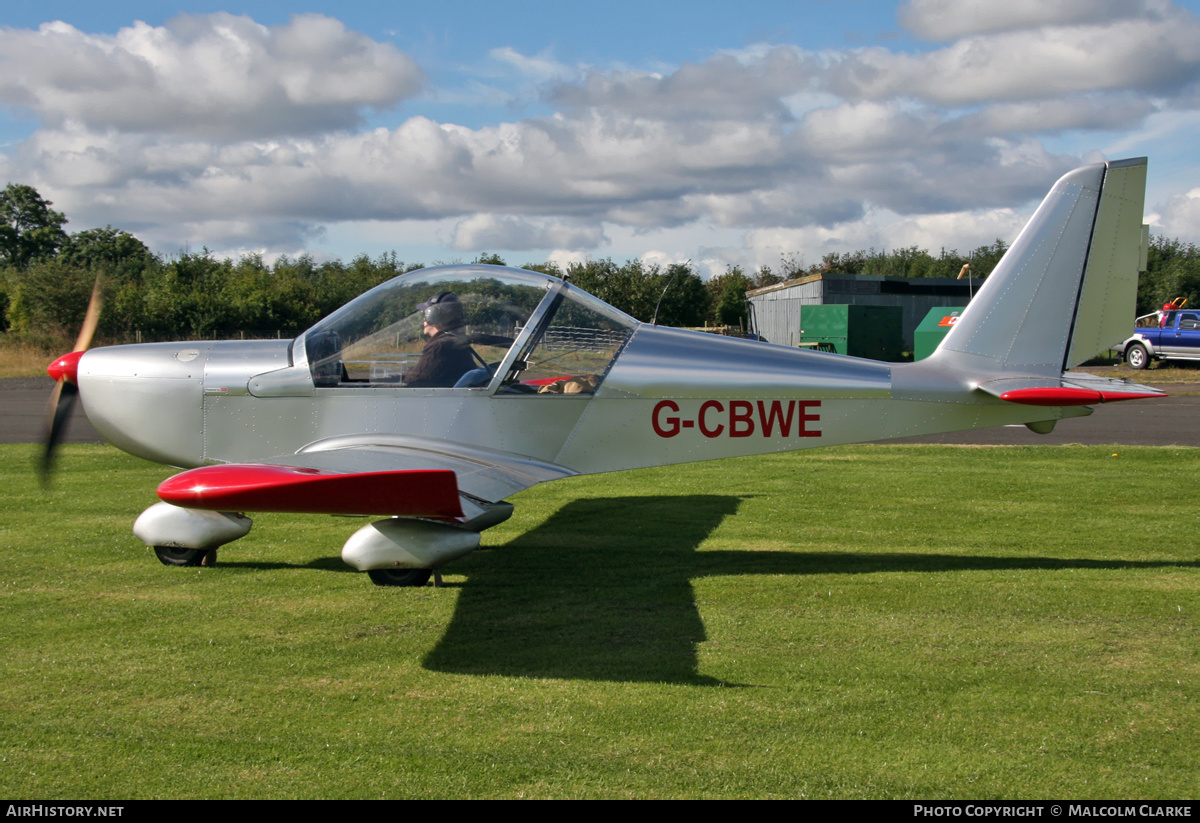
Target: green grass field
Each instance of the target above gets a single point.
(872, 621)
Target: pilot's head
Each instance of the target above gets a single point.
(442, 311)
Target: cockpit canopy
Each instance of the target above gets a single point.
(521, 331)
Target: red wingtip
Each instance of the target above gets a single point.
(66, 366)
(271, 488)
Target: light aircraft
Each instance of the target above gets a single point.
(559, 384)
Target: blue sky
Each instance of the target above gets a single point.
(727, 135)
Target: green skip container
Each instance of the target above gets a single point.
(875, 332)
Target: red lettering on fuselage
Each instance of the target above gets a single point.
(672, 423)
(803, 431)
(741, 418)
(775, 416)
(705, 408)
(714, 420)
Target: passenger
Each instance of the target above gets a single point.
(447, 356)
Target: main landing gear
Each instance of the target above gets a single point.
(399, 577)
(172, 556)
(393, 552)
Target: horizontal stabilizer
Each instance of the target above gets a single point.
(1069, 390)
(270, 488)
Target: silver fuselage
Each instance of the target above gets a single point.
(672, 396)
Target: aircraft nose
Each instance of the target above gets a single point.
(147, 399)
(66, 366)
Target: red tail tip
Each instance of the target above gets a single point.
(66, 366)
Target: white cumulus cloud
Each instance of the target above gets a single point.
(1152, 55)
(481, 232)
(1179, 216)
(949, 19)
(214, 76)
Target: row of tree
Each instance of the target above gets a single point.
(46, 278)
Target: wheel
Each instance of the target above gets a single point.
(172, 556)
(399, 577)
(1137, 357)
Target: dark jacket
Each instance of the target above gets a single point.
(446, 357)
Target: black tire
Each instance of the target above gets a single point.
(1137, 357)
(400, 577)
(172, 556)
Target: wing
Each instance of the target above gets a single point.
(367, 474)
(273, 488)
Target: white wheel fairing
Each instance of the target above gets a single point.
(407, 544)
(175, 527)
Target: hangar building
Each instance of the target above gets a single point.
(775, 310)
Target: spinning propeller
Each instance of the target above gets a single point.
(66, 391)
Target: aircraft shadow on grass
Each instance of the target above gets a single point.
(602, 590)
(325, 564)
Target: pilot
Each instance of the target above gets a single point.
(447, 355)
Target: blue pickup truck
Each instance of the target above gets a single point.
(1175, 337)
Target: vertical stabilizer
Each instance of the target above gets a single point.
(1037, 305)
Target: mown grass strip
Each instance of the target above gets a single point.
(872, 621)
